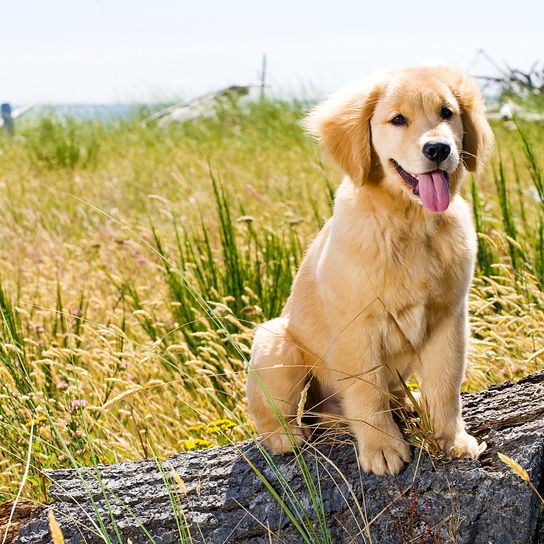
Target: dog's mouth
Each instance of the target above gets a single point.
(432, 187)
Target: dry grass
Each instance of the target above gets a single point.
(131, 279)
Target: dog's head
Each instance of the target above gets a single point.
(413, 131)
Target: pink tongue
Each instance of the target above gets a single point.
(434, 191)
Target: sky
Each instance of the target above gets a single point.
(118, 51)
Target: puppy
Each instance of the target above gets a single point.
(382, 290)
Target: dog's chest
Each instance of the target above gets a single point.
(404, 269)
(407, 267)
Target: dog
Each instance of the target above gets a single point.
(382, 290)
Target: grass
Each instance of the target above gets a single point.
(136, 261)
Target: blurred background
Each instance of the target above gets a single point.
(121, 51)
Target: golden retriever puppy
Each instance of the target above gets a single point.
(382, 290)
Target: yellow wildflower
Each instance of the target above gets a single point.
(197, 444)
(220, 425)
(36, 422)
(213, 429)
(189, 444)
(196, 428)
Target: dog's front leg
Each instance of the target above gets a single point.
(442, 369)
(363, 387)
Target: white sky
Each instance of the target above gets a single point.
(102, 51)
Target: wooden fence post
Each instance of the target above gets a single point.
(7, 118)
(263, 76)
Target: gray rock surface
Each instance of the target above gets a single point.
(461, 501)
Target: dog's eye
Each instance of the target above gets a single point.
(398, 120)
(446, 113)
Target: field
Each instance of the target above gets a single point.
(136, 260)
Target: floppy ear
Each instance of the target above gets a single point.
(342, 125)
(478, 137)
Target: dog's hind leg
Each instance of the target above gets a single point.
(277, 376)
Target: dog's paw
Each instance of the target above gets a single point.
(462, 444)
(282, 441)
(385, 458)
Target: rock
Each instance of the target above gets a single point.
(226, 500)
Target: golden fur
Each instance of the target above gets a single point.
(383, 287)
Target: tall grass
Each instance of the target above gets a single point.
(63, 143)
(126, 324)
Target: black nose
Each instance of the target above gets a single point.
(437, 150)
